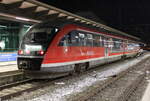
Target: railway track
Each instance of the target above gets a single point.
(8, 92)
(14, 84)
(128, 91)
(11, 77)
(98, 88)
(17, 88)
(14, 89)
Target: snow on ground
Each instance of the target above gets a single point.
(62, 92)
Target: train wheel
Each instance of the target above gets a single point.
(86, 65)
(123, 57)
(77, 68)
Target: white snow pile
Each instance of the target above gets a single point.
(61, 93)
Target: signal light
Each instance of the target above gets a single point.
(41, 52)
(27, 52)
(20, 52)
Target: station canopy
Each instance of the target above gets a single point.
(31, 11)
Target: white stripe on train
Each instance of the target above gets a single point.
(80, 61)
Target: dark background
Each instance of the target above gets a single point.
(131, 16)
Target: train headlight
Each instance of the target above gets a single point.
(27, 52)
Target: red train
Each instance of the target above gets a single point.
(53, 49)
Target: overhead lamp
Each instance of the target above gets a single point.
(20, 18)
(88, 23)
(62, 15)
(70, 17)
(83, 21)
(3, 26)
(77, 19)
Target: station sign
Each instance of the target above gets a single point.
(4, 57)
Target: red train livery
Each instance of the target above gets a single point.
(54, 49)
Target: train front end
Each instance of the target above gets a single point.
(33, 48)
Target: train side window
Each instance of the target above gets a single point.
(117, 45)
(61, 43)
(71, 39)
(101, 41)
(110, 43)
(82, 39)
(65, 41)
(74, 38)
(96, 40)
(105, 43)
(89, 40)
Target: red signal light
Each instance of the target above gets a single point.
(20, 52)
(41, 52)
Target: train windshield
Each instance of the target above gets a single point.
(38, 39)
(39, 35)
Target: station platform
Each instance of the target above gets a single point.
(8, 66)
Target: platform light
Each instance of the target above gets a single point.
(88, 23)
(20, 18)
(52, 12)
(70, 17)
(82, 21)
(77, 19)
(3, 26)
(62, 15)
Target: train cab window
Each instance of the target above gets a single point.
(38, 36)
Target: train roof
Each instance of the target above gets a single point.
(60, 23)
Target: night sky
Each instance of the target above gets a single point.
(131, 16)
